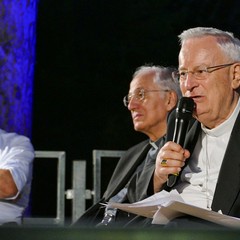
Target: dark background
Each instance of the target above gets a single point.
(86, 53)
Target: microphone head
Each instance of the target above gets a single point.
(185, 108)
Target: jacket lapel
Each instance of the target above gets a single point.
(126, 167)
(192, 135)
(228, 183)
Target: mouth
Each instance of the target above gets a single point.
(136, 116)
(196, 98)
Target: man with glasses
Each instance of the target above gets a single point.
(207, 167)
(152, 95)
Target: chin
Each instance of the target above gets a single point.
(138, 128)
(200, 116)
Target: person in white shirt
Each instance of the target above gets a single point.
(16, 159)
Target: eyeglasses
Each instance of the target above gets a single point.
(139, 94)
(200, 73)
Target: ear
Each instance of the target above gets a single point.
(172, 100)
(236, 76)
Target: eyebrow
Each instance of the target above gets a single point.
(198, 66)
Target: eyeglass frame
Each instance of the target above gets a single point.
(143, 91)
(206, 70)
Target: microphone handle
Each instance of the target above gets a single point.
(178, 137)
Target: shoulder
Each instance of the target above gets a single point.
(12, 139)
(139, 145)
(136, 150)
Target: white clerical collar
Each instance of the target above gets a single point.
(225, 126)
(156, 144)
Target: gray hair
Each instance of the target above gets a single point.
(229, 44)
(162, 76)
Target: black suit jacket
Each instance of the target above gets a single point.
(126, 168)
(227, 194)
(123, 172)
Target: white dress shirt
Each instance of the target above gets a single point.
(16, 155)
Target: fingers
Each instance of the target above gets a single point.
(172, 163)
(170, 160)
(172, 151)
(164, 163)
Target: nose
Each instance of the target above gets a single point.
(190, 81)
(132, 104)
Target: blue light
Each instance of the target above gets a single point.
(17, 61)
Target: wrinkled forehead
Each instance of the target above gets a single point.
(197, 51)
(144, 80)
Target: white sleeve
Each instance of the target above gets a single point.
(16, 155)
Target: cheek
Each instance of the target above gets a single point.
(159, 114)
(156, 111)
(217, 91)
(182, 88)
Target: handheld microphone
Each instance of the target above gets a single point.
(184, 112)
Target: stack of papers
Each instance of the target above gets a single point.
(164, 206)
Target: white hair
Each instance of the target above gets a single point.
(162, 76)
(229, 44)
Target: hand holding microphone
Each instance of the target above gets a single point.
(172, 154)
(184, 112)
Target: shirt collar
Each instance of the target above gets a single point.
(156, 144)
(225, 126)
